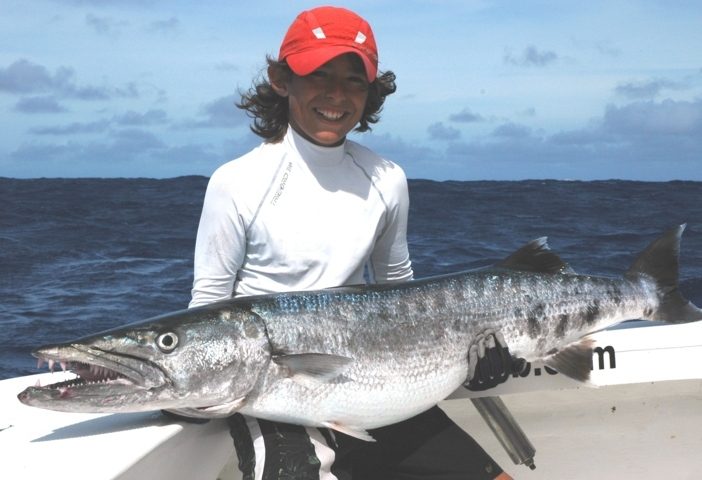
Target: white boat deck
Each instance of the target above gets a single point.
(41, 444)
(638, 431)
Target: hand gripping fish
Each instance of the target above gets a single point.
(355, 358)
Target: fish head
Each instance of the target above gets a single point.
(196, 359)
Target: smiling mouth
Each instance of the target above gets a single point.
(330, 115)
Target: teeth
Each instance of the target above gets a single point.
(51, 365)
(38, 384)
(40, 362)
(331, 115)
(64, 367)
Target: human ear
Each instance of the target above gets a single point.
(278, 80)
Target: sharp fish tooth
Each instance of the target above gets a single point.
(51, 365)
(38, 384)
(40, 362)
(64, 366)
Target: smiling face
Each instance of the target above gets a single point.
(328, 103)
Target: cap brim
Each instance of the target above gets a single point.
(305, 63)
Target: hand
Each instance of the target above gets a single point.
(490, 363)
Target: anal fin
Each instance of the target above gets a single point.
(574, 360)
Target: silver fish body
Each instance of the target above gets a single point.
(409, 343)
(355, 358)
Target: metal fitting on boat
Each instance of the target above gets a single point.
(506, 429)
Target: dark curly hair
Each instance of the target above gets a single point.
(269, 110)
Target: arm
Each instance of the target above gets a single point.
(390, 260)
(220, 245)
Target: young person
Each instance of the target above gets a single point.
(310, 209)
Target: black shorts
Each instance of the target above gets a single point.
(428, 446)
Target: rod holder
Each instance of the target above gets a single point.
(506, 429)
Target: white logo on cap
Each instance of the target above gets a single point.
(360, 38)
(319, 33)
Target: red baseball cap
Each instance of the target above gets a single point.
(318, 35)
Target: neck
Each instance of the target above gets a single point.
(310, 152)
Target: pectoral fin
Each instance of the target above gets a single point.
(313, 368)
(215, 411)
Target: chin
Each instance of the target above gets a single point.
(328, 140)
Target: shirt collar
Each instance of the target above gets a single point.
(312, 153)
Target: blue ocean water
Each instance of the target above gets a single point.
(81, 255)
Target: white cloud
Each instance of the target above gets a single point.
(39, 104)
(466, 116)
(169, 26)
(512, 130)
(105, 25)
(439, 131)
(655, 118)
(220, 113)
(647, 89)
(150, 117)
(531, 57)
(72, 129)
(26, 77)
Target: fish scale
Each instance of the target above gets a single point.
(434, 362)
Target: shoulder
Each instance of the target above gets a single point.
(384, 173)
(251, 163)
(260, 163)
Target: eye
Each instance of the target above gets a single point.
(319, 73)
(358, 83)
(167, 342)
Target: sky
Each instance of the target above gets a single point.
(487, 90)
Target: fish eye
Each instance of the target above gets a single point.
(167, 342)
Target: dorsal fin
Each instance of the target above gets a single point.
(536, 257)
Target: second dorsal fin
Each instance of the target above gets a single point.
(536, 257)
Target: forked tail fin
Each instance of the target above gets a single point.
(659, 261)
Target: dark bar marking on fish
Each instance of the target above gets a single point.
(592, 312)
(534, 319)
(562, 325)
(615, 294)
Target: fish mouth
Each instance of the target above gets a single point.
(86, 374)
(98, 375)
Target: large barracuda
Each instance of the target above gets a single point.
(355, 358)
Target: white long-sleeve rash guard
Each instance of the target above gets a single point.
(296, 216)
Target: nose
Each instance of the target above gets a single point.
(335, 89)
